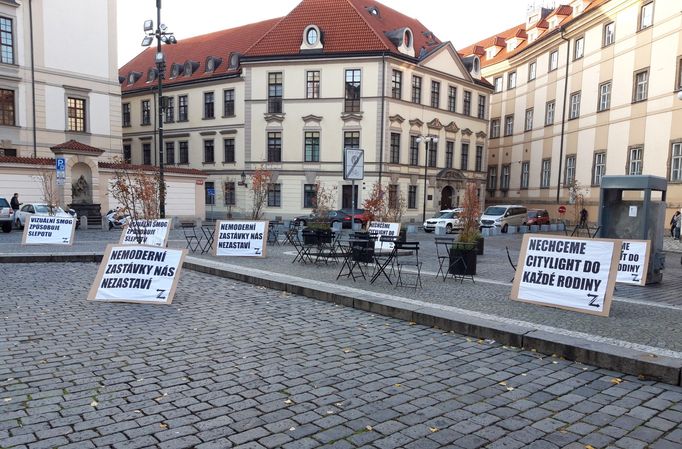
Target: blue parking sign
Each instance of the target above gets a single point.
(60, 166)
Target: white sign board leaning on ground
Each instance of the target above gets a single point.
(152, 232)
(569, 273)
(142, 274)
(240, 238)
(634, 262)
(380, 228)
(49, 231)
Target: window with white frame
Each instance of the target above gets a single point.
(397, 84)
(312, 84)
(635, 160)
(545, 173)
(528, 124)
(504, 178)
(481, 106)
(416, 89)
(479, 158)
(395, 148)
(549, 112)
(414, 150)
(435, 94)
(678, 85)
(274, 195)
(352, 102)
(466, 103)
(449, 153)
(609, 34)
(412, 197)
(312, 146)
(6, 41)
(646, 16)
(492, 178)
(574, 106)
(604, 96)
(511, 80)
(641, 87)
(579, 48)
(525, 174)
(464, 157)
(509, 125)
(497, 82)
(553, 60)
(76, 113)
(532, 70)
(494, 128)
(598, 168)
(230, 191)
(676, 162)
(452, 99)
(570, 170)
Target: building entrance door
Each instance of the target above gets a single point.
(446, 198)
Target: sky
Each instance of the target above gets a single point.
(463, 22)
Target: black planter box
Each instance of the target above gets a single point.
(469, 255)
(480, 244)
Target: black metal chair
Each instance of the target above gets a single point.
(194, 240)
(407, 256)
(443, 245)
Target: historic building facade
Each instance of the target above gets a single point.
(290, 93)
(581, 91)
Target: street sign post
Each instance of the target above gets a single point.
(562, 209)
(60, 168)
(353, 169)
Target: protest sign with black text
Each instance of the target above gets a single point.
(39, 230)
(240, 238)
(379, 229)
(634, 262)
(149, 232)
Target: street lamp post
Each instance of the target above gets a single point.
(427, 140)
(162, 36)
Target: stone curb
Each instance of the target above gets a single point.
(629, 361)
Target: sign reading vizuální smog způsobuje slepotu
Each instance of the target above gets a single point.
(380, 228)
(151, 232)
(569, 273)
(634, 262)
(49, 230)
(143, 274)
(240, 238)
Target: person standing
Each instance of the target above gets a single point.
(672, 224)
(14, 204)
(678, 222)
(583, 218)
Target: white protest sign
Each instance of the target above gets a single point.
(240, 238)
(634, 262)
(143, 274)
(380, 228)
(49, 231)
(152, 232)
(569, 273)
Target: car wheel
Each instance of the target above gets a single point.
(302, 223)
(448, 229)
(427, 231)
(505, 228)
(7, 227)
(19, 225)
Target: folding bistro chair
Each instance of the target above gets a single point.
(407, 256)
(443, 245)
(194, 241)
(310, 243)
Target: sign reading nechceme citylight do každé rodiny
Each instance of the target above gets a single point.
(379, 229)
(569, 273)
(39, 230)
(240, 238)
(633, 264)
(151, 232)
(143, 274)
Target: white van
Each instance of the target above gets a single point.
(502, 216)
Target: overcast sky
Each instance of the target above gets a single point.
(461, 21)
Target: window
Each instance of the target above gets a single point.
(169, 110)
(309, 196)
(352, 103)
(509, 125)
(312, 84)
(549, 112)
(511, 81)
(209, 193)
(604, 96)
(676, 162)
(504, 177)
(497, 82)
(351, 139)
(412, 197)
(598, 168)
(312, 146)
(7, 107)
(532, 70)
(127, 153)
(182, 108)
(464, 159)
(449, 153)
(274, 195)
(452, 99)
(609, 34)
(495, 128)
(416, 89)
(147, 153)
(414, 151)
(393, 196)
(479, 158)
(546, 171)
(579, 48)
(275, 93)
(395, 148)
(528, 124)
(635, 161)
(170, 153)
(275, 147)
(228, 150)
(574, 106)
(492, 178)
(125, 111)
(6, 41)
(570, 170)
(435, 94)
(230, 193)
(553, 60)
(146, 113)
(467, 103)
(228, 102)
(183, 152)
(481, 106)
(209, 105)
(397, 84)
(433, 154)
(641, 86)
(679, 74)
(76, 113)
(209, 153)
(525, 174)
(646, 16)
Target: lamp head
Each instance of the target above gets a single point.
(243, 176)
(679, 95)
(159, 58)
(147, 41)
(148, 25)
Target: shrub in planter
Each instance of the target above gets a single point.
(468, 245)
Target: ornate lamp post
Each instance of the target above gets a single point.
(427, 140)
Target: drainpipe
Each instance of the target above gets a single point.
(563, 114)
(33, 78)
(383, 101)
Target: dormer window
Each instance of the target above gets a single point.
(190, 68)
(175, 70)
(312, 38)
(373, 10)
(403, 39)
(233, 63)
(133, 77)
(212, 63)
(407, 38)
(151, 74)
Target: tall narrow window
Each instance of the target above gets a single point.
(6, 41)
(525, 174)
(497, 82)
(532, 70)
(230, 193)
(183, 108)
(395, 148)
(416, 89)
(479, 158)
(449, 153)
(599, 168)
(414, 150)
(397, 84)
(452, 99)
(464, 159)
(678, 85)
(312, 146)
(553, 60)
(275, 147)
(635, 161)
(504, 178)
(127, 153)
(228, 150)
(433, 154)
(481, 106)
(549, 113)
(209, 151)
(579, 48)
(646, 16)
(509, 125)
(435, 94)
(209, 105)
(495, 128)
(147, 153)
(570, 170)
(146, 113)
(511, 80)
(641, 87)
(545, 174)
(312, 84)
(604, 96)
(492, 178)
(466, 110)
(76, 112)
(676, 162)
(183, 152)
(228, 102)
(7, 107)
(309, 196)
(169, 110)
(412, 197)
(528, 124)
(275, 93)
(574, 106)
(125, 111)
(393, 196)
(170, 153)
(352, 101)
(274, 195)
(609, 34)
(209, 193)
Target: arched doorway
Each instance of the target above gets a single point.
(446, 197)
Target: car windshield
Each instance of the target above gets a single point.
(43, 209)
(449, 215)
(3, 203)
(495, 210)
(532, 213)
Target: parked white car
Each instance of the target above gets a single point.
(450, 218)
(6, 215)
(37, 209)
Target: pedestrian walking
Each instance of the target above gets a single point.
(14, 204)
(678, 222)
(583, 218)
(672, 223)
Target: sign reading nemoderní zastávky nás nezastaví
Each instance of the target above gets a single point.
(39, 230)
(151, 232)
(240, 238)
(634, 262)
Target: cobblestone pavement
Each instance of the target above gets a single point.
(233, 365)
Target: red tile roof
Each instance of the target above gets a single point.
(152, 168)
(26, 160)
(77, 146)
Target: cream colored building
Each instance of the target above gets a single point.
(289, 94)
(622, 114)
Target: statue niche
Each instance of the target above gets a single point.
(81, 191)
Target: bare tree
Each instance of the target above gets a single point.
(470, 214)
(260, 184)
(325, 198)
(48, 188)
(395, 206)
(576, 196)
